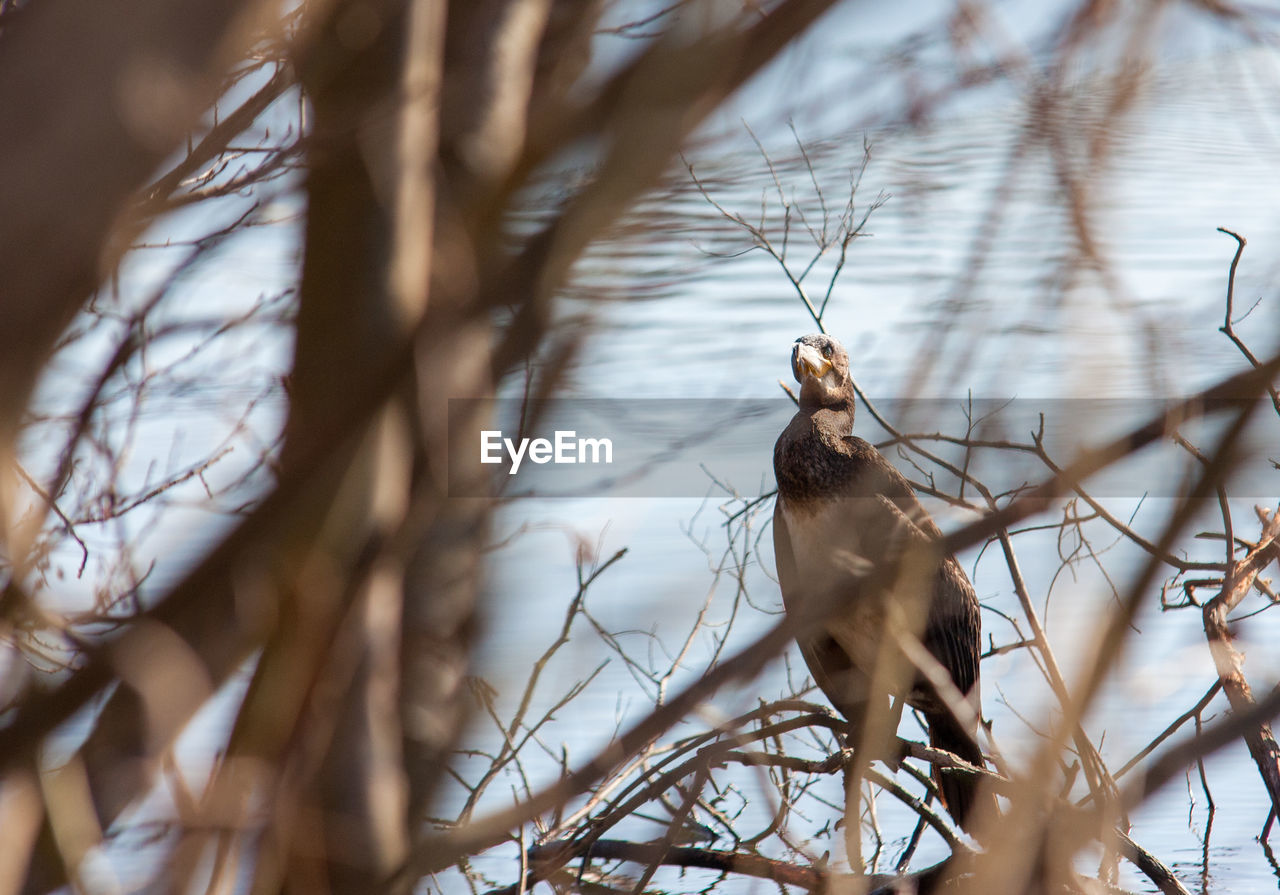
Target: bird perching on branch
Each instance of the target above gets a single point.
(880, 611)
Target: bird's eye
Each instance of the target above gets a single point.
(826, 351)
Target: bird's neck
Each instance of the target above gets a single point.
(836, 419)
(811, 459)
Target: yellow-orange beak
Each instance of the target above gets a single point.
(808, 361)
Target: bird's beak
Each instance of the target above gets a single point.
(808, 361)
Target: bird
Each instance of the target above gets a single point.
(853, 546)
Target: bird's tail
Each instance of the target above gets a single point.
(961, 792)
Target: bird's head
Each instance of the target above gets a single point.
(821, 366)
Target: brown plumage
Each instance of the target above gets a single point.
(852, 542)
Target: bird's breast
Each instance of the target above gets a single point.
(809, 465)
(829, 568)
(826, 550)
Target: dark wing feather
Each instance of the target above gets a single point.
(955, 609)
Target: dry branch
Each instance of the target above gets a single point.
(1228, 660)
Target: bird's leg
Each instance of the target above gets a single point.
(872, 727)
(893, 750)
(874, 738)
(853, 814)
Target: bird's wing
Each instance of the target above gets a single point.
(954, 607)
(884, 479)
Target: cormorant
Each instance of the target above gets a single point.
(851, 541)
